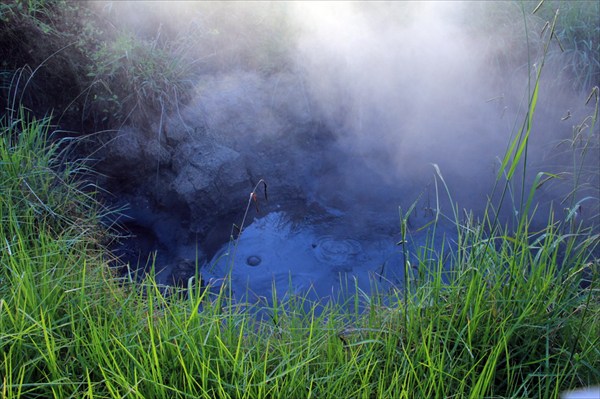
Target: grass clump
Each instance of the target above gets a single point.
(573, 57)
(48, 232)
(578, 35)
(135, 79)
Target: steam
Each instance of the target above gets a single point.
(401, 86)
(405, 86)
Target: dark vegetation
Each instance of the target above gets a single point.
(96, 69)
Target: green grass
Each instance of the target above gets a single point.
(578, 33)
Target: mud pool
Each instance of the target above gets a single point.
(323, 256)
(344, 136)
(275, 257)
(331, 222)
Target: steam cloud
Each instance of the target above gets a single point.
(403, 88)
(408, 85)
(401, 85)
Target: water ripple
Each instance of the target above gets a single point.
(328, 249)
